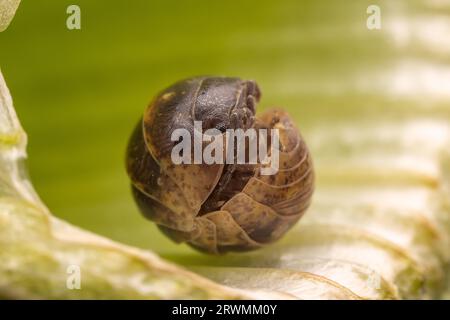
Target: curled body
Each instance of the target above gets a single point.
(217, 207)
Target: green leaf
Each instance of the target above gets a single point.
(372, 105)
(381, 236)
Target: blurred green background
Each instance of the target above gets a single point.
(79, 93)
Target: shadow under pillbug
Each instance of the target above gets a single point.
(217, 208)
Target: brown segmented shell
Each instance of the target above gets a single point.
(219, 207)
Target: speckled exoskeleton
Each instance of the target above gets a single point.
(217, 207)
